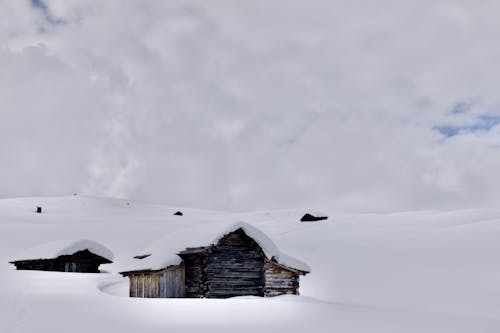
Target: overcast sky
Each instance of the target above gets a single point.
(358, 105)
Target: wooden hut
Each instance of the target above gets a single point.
(313, 217)
(81, 256)
(242, 261)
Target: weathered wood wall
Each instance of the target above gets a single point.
(235, 267)
(279, 280)
(167, 283)
(144, 285)
(172, 282)
(195, 264)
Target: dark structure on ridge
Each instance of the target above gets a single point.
(312, 218)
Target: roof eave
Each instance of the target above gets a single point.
(296, 270)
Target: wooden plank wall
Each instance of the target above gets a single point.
(280, 281)
(171, 282)
(166, 283)
(132, 285)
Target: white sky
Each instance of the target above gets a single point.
(360, 105)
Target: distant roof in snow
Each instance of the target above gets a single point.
(65, 247)
(310, 217)
(163, 253)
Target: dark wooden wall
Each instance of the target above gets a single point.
(196, 277)
(235, 267)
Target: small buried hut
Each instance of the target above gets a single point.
(240, 261)
(81, 256)
(313, 217)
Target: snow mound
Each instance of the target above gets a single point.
(163, 253)
(317, 213)
(65, 247)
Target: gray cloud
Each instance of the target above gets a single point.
(242, 105)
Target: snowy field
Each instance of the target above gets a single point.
(400, 272)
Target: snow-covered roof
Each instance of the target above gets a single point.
(65, 247)
(163, 253)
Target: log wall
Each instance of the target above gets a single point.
(235, 267)
(279, 280)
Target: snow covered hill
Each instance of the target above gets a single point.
(400, 272)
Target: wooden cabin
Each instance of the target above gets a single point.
(235, 265)
(82, 256)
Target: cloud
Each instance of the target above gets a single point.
(240, 105)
